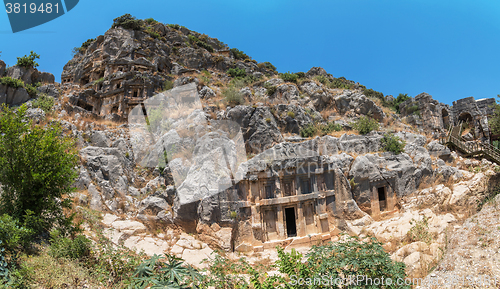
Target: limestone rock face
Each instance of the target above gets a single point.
(358, 103)
(16, 96)
(292, 118)
(260, 129)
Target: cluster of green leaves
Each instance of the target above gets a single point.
(291, 114)
(233, 96)
(402, 97)
(44, 102)
(238, 54)
(271, 89)
(267, 65)
(329, 128)
(11, 82)
(168, 84)
(194, 40)
(343, 259)
(14, 236)
(236, 72)
(392, 143)
(175, 26)
(18, 83)
(64, 247)
(365, 125)
(37, 169)
(151, 21)
(127, 21)
(83, 47)
(414, 109)
(419, 232)
(308, 130)
(289, 77)
(152, 32)
(368, 92)
(333, 82)
(168, 272)
(28, 61)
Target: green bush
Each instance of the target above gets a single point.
(127, 21)
(341, 83)
(352, 257)
(400, 99)
(37, 169)
(168, 84)
(174, 26)
(392, 143)
(11, 82)
(151, 21)
(194, 40)
(63, 247)
(14, 237)
(300, 74)
(289, 77)
(28, 61)
(365, 125)
(322, 79)
(271, 89)
(267, 65)
(330, 127)
(308, 131)
(45, 102)
(240, 55)
(419, 232)
(291, 114)
(83, 47)
(414, 109)
(373, 94)
(236, 72)
(232, 96)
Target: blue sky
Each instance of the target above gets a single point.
(449, 49)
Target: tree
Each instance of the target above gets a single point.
(37, 170)
(365, 125)
(28, 61)
(494, 120)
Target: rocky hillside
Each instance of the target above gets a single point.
(279, 116)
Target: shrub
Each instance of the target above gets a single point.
(400, 99)
(236, 72)
(11, 82)
(151, 21)
(174, 26)
(419, 232)
(291, 114)
(289, 77)
(63, 247)
(372, 93)
(308, 131)
(13, 236)
(44, 102)
(28, 61)
(127, 21)
(341, 82)
(392, 143)
(330, 127)
(412, 109)
(365, 125)
(238, 54)
(83, 47)
(37, 169)
(355, 257)
(271, 89)
(268, 120)
(322, 79)
(233, 96)
(300, 74)
(267, 65)
(193, 39)
(168, 84)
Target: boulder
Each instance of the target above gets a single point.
(315, 71)
(99, 139)
(153, 205)
(2, 68)
(358, 103)
(206, 93)
(259, 127)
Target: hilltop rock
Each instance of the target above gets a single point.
(2, 68)
(260, 129)
(356, 102)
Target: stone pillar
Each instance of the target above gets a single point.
(374, 202)
(280, 226)
(299, 187)
(301, 221)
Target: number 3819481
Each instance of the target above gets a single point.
(32, 8)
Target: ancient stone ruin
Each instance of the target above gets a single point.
(429, 114)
